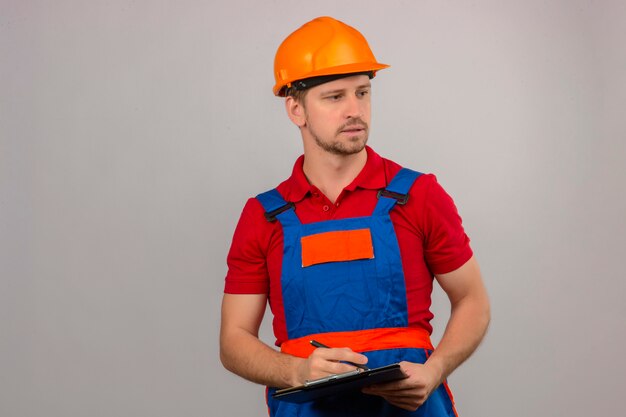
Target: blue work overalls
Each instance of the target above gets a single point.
(365, 293)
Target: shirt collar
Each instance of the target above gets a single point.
(372, 177)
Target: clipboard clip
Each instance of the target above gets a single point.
(333, 377)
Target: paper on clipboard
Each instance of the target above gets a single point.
(339, 383)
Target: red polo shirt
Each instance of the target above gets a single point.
(428, 228)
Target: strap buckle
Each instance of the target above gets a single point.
(270, 216)
(401, 199)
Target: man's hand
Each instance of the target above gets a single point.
(243, 353)
(328, 361)
(412, 392)
(466, 327)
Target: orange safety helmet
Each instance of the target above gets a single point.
(322, 47)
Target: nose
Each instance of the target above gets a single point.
(354, 107)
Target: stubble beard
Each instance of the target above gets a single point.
(336, 147)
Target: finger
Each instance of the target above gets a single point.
(338, 367)
(394, 386)
(417, 393)
(391, 393)
(320, 367)
(340, 354)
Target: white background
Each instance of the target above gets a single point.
(132, 133)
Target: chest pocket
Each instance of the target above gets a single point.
(337, 246)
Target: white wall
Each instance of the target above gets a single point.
(131, 134)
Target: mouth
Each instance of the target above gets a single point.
(353, 129)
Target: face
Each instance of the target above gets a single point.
(336, 115)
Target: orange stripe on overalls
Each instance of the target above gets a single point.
(361, 340)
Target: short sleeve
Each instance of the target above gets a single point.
(446, 246)
(247, 265)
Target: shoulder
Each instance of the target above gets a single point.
(426, 195)
(253, 209)
(421, 185)
(253, 228)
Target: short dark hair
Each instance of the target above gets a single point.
(297, 95)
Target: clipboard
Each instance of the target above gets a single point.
(340, 383)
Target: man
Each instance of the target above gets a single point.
(345, 251)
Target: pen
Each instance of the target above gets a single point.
(321, 345)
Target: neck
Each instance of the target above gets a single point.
(332, 173)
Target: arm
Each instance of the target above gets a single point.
(244, 354)
(469, 318)
(466, 328)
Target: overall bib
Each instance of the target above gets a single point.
(343, 284)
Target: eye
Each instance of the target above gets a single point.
(362, 93)
(334, 97)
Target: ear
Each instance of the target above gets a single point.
(295, 111)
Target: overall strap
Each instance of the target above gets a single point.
(396, 192)
(277, 208)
